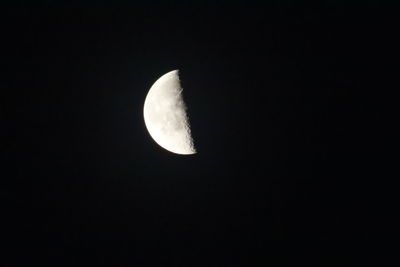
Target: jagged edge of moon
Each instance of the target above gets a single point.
(188, 131)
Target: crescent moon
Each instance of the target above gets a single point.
(165, 115)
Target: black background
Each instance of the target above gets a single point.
(285, 109)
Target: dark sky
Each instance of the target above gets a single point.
(284, 109)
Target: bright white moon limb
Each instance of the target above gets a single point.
(165, 115)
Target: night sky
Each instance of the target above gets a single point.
(284, 110)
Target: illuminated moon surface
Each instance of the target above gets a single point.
(165, 115)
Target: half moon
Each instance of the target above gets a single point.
(165, 115)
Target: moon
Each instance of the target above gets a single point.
(165, 115)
